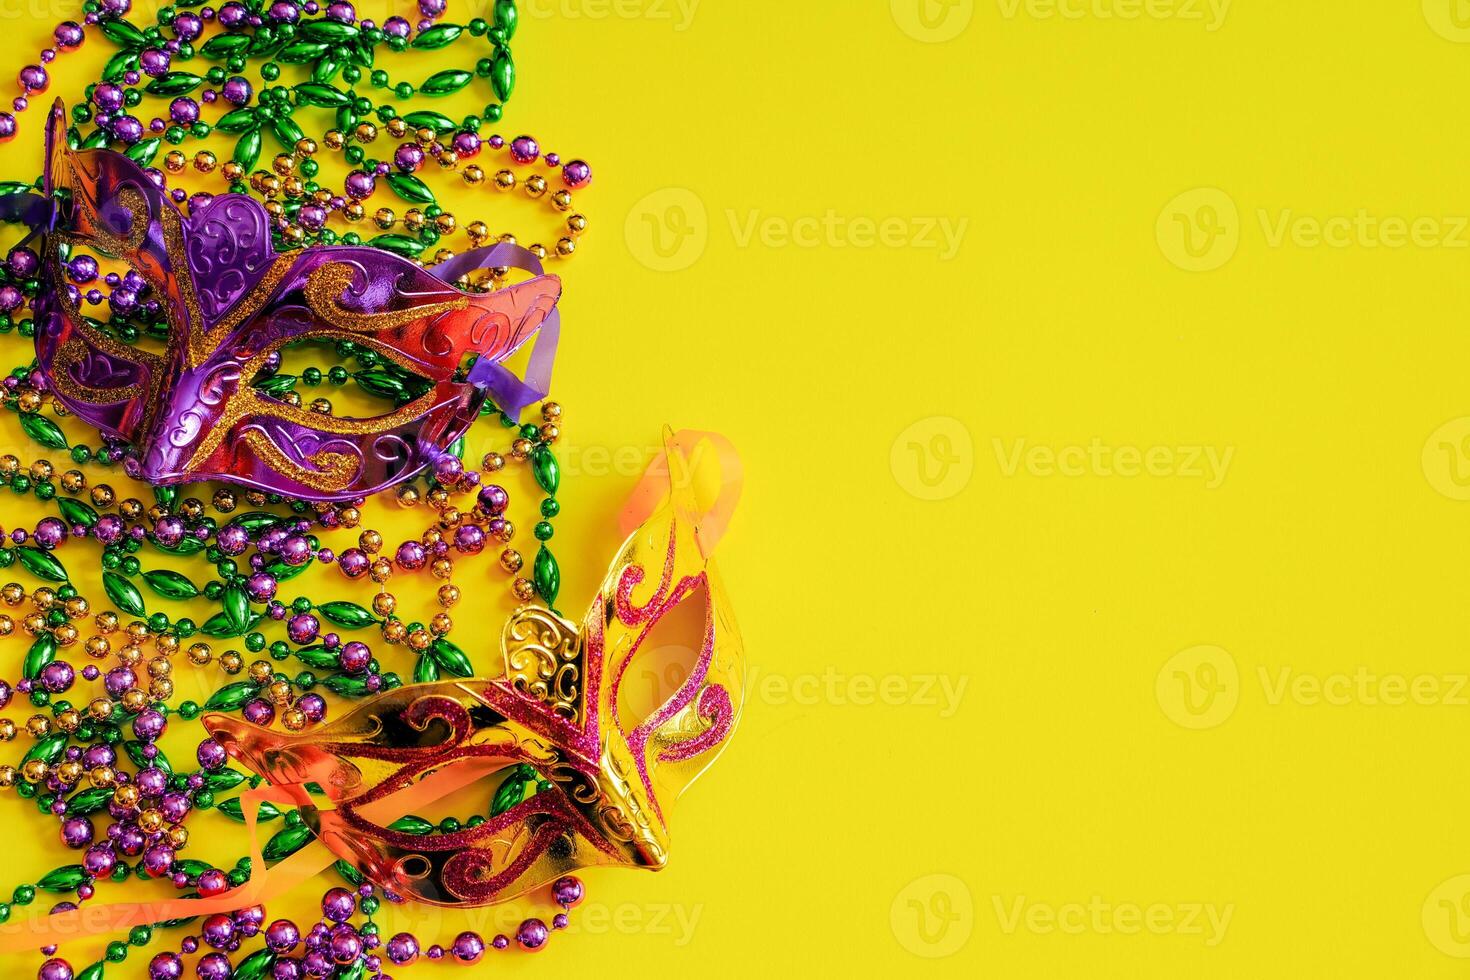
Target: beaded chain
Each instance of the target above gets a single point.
(93, 761)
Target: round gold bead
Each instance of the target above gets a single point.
(446, 223)
(292, 398)
(224, 500)
(577, 224)
(33, 771)
(76, 608)
(524, 589)
(442, 568)
(166, 644)
(493, 462)
(261, 671)
(370, 541)
(134, 700)
(137, 630)
(102, 776)
(504, 180)
(520, 448)
(130, 655)
(396, 127)
(306, 146)
(150, 821)
(394, 630)
(7, 730)
(205, 161)
(99, 709)
(34, 624)
(232, 172)
(504, 531)
(510, 560)
(562, 200)
(7, 777)
(477, 231)
(408, 496)
(365, 132)
(178, 835)
(334, 139)
(284, 164)
(97, 647)
(537, 250)
(68, 720)
(293, 719)
(160, 667)
(565, 247)
(420, 640)
(7, 626)
(66, 634)
(13, 593)
(349, 516)
(381, 570)
(448, 595)
(321, 406)
(279, 693)
(384, 603)
(73, 481)
(127, 796)
(38, 726)
(413, 220)
(440, 623)
(9, 465)
(30, 401)
(473, 175)
(174, 161)
(384, 218)
(161, 688)
(231, 662)
(535, 186)
(354, 212)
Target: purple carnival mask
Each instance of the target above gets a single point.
(232, 303)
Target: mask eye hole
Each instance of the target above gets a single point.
(666, 656)
(340, 378)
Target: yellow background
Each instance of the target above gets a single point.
(1239, 689)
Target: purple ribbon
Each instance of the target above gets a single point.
(512, 394)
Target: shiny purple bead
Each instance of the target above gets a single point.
(524, 149)
(165, 966)
(187, 26)
(283, 12)
(397, 27)
(494, 499)
(296, 550)
(303, 628)
(532, 935)
(468, 947)
(567, 891)
(411, 555)
(184, 111)
(158, 859)
(54, 969)
(23, 262)
(236, 90)
(354, 657)
(354, 562)
(69, 34)
(576, 174)
(127, 128)
(408, 157)
(149, 724)
(282, 935)
(77, 832)
(57, 676)
(50, 532)
(212, 755)
(342, 13)
(317, 964)
(258, 711)
(33, 78)
(154, 62)
(118, 680)
(261, 586)
(314, 706)
(218, 930)
(99, 860)
(338, 904)
(469, 539)
(213, 966)
(359, 185)
(7, 126)
(402, 949)
(232, 539)
(108, 97)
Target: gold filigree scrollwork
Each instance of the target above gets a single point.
(543, 660)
